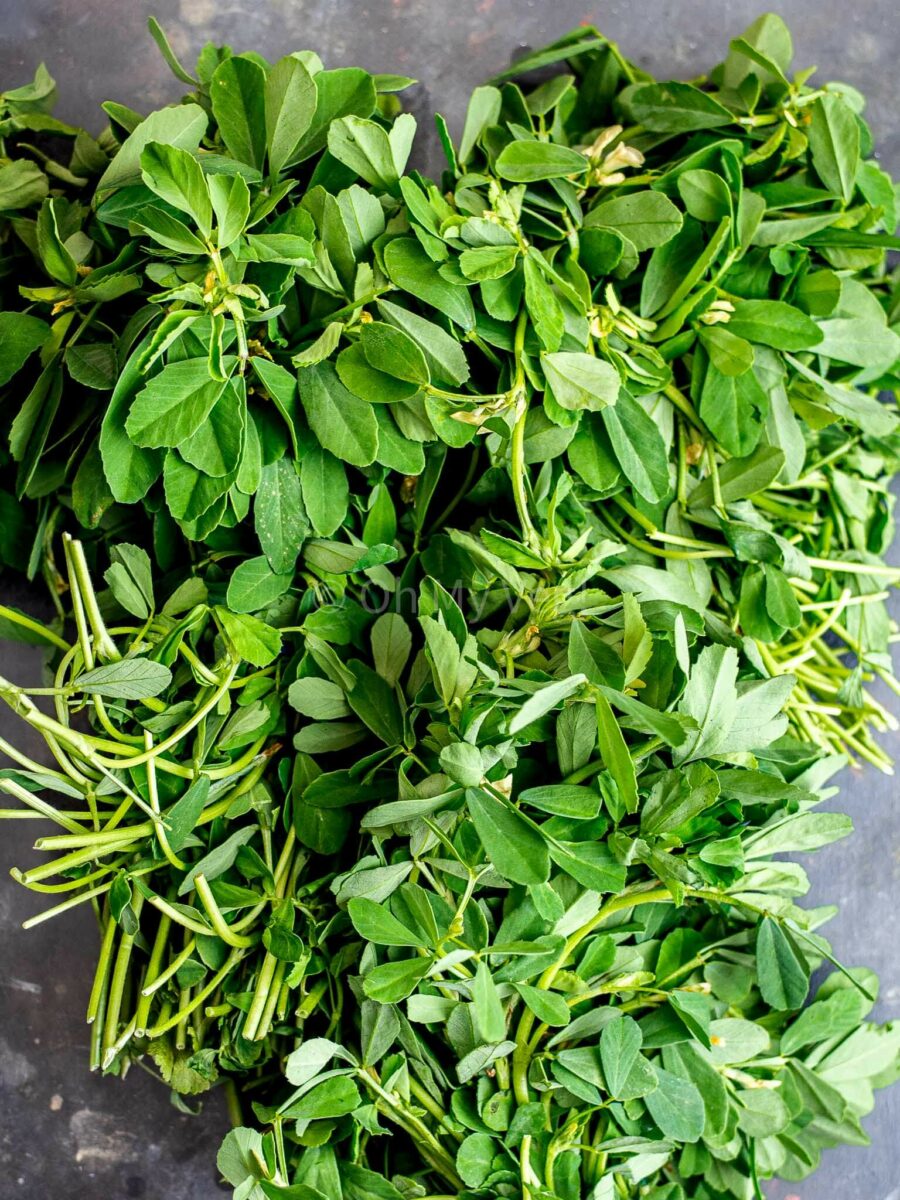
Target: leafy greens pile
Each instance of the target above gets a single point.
(494, 581)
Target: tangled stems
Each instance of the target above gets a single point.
(816, 650)
(126, 851)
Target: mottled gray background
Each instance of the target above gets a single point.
(65, 1133)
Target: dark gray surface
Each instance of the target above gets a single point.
(64, 1133)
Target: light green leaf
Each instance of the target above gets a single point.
(375, 923)
(254, 585)
(781, 967)
(834, 144)
(176, 177)
(173, 404)
(127, 679)
(517, 850)
(181, 126)
(290, 105)
(237, 93)
(251, 639)
(342, 422)
(279, 516)
(530, 161)
(581, 381)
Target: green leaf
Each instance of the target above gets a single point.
(391, 350)
(490, 1019)
(581, 381)
(20, 336)
(181, 126)
(677, 797)
(544, 700)
(463, 763)
(342, 422)
(374, 153)
(281, 386)
(711, 698)
(279, 516)
(240, 1156)
(375, 702)
(734, 1040)
(320, 699)
(328, 1099)
(517, 850)
(216, 444)
(834, 1017)
(237, 93)
(127, 679)
(483, 110)
(741, 477)
(168, 54)
(677, 108)
(375, 923)
(781, 602)
(176, 177)
(765, 49)
(591, 864)
(230, 198)
(616, 755)
(706, 195)
(93, 364)
(730, 354)
(479, 1059)
(549, 1007)
(130, 579)
(323, 480)
(864, 411)
(254, 585)
(391, 646)
(645, 218)
(530, 161)
(287, 249)
(310, 1058)
(638, 447)
(410, 268)
(120, 905)
(55, 257)
(252, 640)
(620, 1046)
(834, 144)
(380, 1027)
(22, 183)
(475, 1157)
(190, 493)
(488, 262)
(344, 92)
(734, 407)
(181, 819)
(392, 982)
(173, 404)
(774, 323)
(290, 105)
(677, 1107)
(218, 860)
(563, 800)
(781, 967)
(363, 380)
(542, 303)
(444, 355)
(591, 455)
(129, 470)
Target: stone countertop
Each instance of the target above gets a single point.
(66, 1133)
